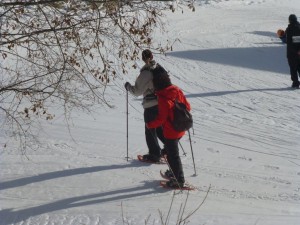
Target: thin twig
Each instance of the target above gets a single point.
(168, 215)
(188, 216)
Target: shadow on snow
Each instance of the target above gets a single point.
(64, 173)
(268, 58)
(220, 93)
(9, 216)
(265, 33)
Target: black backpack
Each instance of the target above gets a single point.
(158, 70)
(183, 119)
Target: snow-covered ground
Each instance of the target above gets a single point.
(234, 72)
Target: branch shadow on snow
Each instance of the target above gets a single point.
(65, 173)
(10, 216)
(269, 58)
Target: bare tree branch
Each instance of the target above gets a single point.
(68, 51)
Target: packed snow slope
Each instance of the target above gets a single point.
(234, 72)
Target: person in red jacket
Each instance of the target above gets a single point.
(167, 94)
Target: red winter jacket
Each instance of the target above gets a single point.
(165, 111)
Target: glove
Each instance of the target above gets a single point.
(127, 85)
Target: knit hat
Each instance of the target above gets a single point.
(147, 54)
(292, 18)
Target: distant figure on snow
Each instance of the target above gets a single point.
(293, 49)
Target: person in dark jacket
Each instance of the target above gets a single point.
(293, 49)
(144, 86)
(167, 94)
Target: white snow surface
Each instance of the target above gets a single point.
(233, 70)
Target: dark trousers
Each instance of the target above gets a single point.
(173, 158)
(153, 134)
(294, 63)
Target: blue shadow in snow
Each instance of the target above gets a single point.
(220, 93)
(10, 216)
(65, 173)
(270, 59)
(269, 34)
(264, 33)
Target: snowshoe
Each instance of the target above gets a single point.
(150, 159)
(173, 185)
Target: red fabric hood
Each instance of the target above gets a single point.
(171, 92)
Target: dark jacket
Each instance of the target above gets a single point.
(166, 99)
(293, 29)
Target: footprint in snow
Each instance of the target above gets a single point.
(212, 150)
(245, 158)
(271, 167)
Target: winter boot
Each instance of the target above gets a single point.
(295, 85)
(173, 183)
(169, 174)
(151, 158)
(163, 153)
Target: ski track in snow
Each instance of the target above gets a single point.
(234, 72)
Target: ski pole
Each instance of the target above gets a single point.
(184, 153)
(127, 120)
(192, 152)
